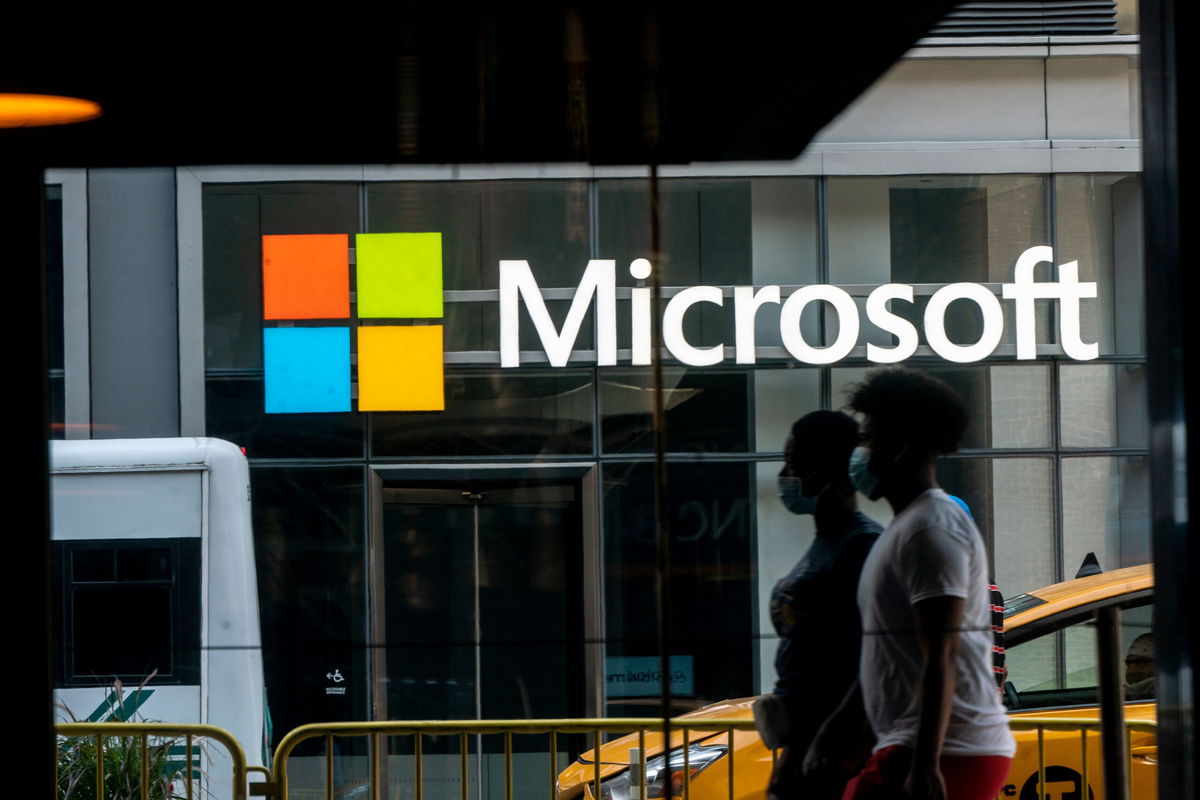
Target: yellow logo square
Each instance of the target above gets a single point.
(400, 368)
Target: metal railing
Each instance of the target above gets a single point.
(682, 730)
(1083, 727)
(141, 732)
(683, 735)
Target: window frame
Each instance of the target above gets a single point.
(184, 592)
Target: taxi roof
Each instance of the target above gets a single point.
(1083, 591)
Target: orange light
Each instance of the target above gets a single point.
(33, 110)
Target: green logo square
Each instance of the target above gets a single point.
(399, 275)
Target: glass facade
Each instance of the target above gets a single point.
(496, 557)
(415, 525)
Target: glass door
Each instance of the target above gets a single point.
(478, 613)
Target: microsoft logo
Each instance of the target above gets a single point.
(306, 293)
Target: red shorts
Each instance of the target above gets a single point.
(966, 777)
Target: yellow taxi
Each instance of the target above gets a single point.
(1052, 672)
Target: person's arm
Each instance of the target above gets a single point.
(938, 620)
(833, 752)
(845, 738)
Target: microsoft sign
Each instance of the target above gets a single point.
(598, 285)
(320, 348)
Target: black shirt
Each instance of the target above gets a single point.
(815, 612)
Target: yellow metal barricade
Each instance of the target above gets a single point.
(138, 736)
(1050, 747)
(1058, 744)
(552, 728)
(1069, 747)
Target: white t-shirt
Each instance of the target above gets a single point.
(931, 549)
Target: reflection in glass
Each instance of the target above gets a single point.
(711, 581)
(477, 583)
(1103, 405)
(1021, 523)
(982, 483)
(310, 553)
(1098, 219)
(935, 229)
(705, 229)
(451, 208)
(518, 412)
(1012, 501)
(782, 396)
(235, 411)
(705, 411)
(236, 217)
(427, 582)
(783, 230)
(1008, 404)
(531, 623)
(1106, 511)
(1019, 405)
(544, 222)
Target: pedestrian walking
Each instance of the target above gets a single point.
(926, 682)
(813, 607)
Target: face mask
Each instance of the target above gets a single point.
(862, 477)
(793, 498)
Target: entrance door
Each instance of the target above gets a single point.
(478, 607)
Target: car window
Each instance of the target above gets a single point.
(1022, 602)
(1059, 667)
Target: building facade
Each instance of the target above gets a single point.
(495, 558)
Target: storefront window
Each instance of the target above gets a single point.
(1103, 405)
(482, 541)
(1106, 511)
(310, 550)
(782, 396)
(1008, 404)
(490, 413)
(1012, 501)
(236, 217)
(712, 577)
(1034, 501)
(234, 405)
(706, 411)
(933, 230)
(1098, 223)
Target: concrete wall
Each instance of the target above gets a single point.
(133, 320)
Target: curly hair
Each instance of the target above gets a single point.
(912, 406)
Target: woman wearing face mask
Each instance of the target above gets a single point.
(813, 607)
(926, 682)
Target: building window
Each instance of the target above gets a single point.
(1053, 465)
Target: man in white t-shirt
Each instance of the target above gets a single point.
(925, 676)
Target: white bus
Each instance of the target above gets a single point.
(154, 575)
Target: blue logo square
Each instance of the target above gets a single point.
(307, 370)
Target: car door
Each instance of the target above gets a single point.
(1053, 672)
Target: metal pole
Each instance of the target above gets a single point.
(22, 198)
(1166, 54)
(661, 516)
(1112, 703)
(652, 134)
